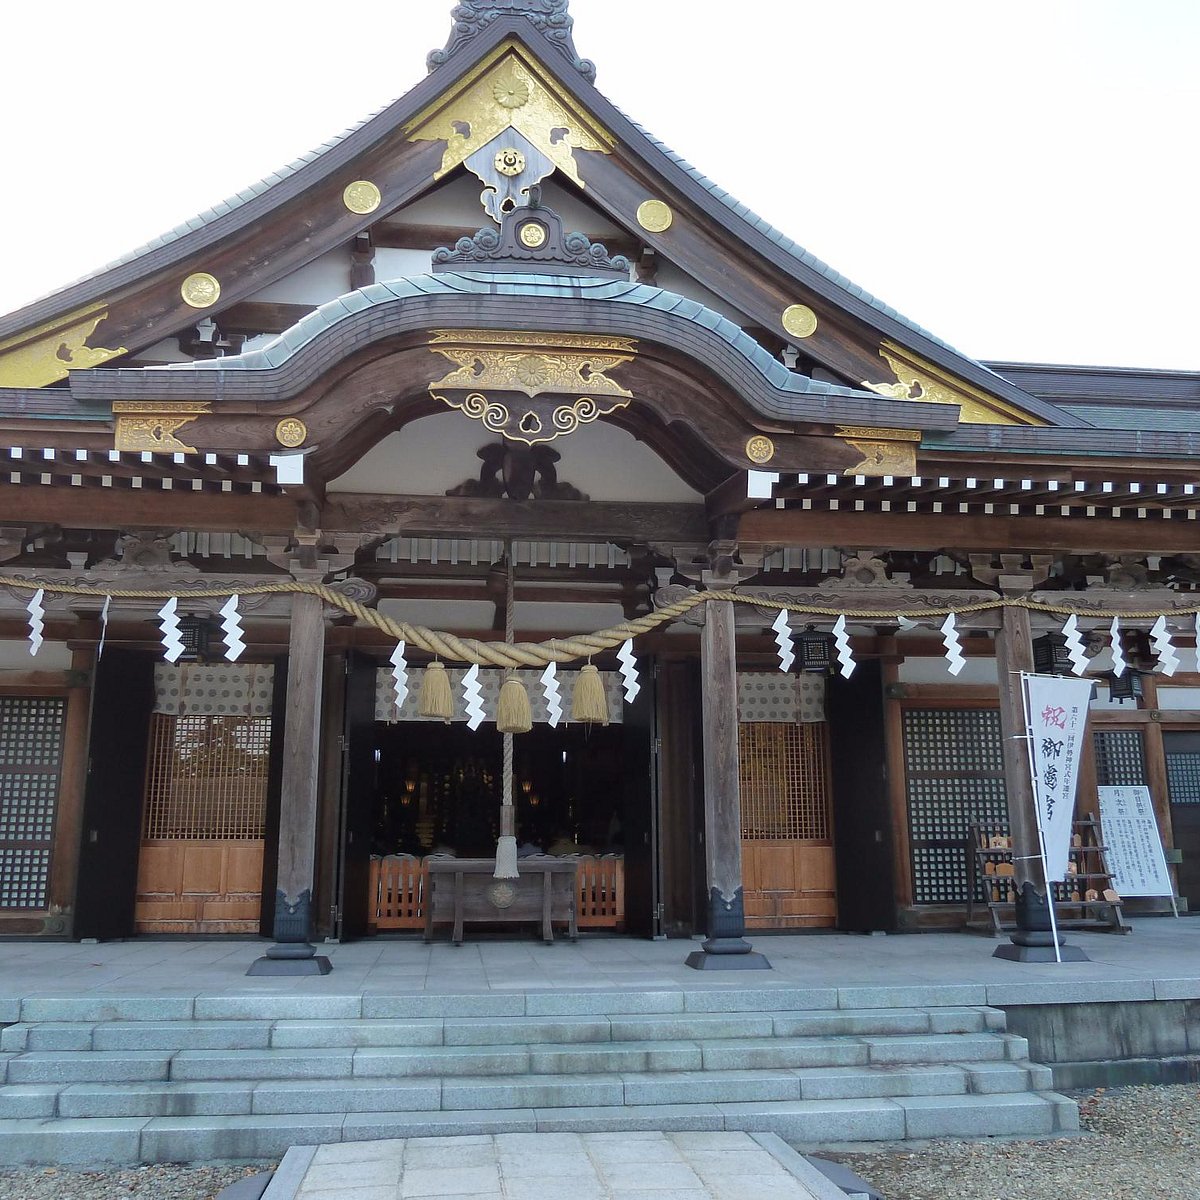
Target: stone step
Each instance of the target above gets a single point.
(95, 1141)
(248, 1034)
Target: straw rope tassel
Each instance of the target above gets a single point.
(506, 844)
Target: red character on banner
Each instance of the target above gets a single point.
(1054, 716)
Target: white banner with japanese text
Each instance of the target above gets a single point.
(1056, 711)
(1134, 848)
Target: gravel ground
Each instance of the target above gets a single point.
(1140, 1144)
(145, 1183)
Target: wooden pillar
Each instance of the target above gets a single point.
(726, 948)
(293, 953)
(1033, 940)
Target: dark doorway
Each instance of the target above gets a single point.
(861, 815)
(1182, 749)
(122, 700)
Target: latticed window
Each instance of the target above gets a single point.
(954, 778)
(1120, 757)
(783, 777)
(31, 744)
(206, 778)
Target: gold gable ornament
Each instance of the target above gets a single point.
(151, 425)
(884, 451)
(45, 354)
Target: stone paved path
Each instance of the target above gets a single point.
(553, 1166)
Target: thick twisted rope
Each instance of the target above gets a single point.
(511, 655)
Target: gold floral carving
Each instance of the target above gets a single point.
(495, 369)
(655, 216)
(799, 321)
(921, 380)
(291, 432)
(46, 353)
(509, 90)
(760, 449)
(200, 290)
(533, 234)
(362, 197)
(872, 432)
(883, 458)
(152, 425)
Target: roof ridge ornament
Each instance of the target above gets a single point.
(549, 17)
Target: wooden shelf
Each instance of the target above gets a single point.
(1086, 851)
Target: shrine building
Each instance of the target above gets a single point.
(494, 412)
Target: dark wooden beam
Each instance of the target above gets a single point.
(257, 316)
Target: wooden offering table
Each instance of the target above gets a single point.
(463, 890)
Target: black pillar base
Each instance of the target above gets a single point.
(1033, 940)
(293, 954)
(726, 949)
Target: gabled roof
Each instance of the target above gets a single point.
(148, 280)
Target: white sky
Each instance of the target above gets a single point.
(1018, 176)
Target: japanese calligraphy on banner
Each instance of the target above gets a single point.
(1134, 848)
(1056, 713)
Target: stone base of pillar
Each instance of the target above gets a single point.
(293, 953)
(1033, 940)
(291, 958)
(726, 949)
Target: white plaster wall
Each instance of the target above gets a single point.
(933, 670)
(15, 656)
(164, 352)
(401, 264)
(437, 453)
(321, 280)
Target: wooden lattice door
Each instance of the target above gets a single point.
(31, 745)
(788, 872)
(201, 861)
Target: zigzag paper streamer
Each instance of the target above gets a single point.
(842, 641)
(399, 675)
(1118, 651)
(37, 621)
(173, 646)
(783, 639)
(1075, 648)
(629, 671)
(103, 625)
(231, 626)
(473, 696)
(905, 625)
(553, 695)
(1160, 639)
(954, 654)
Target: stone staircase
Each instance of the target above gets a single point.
(177, 1079)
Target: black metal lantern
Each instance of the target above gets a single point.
(1050, 655)
(814, 651)
(1126, 686)
(196, 634)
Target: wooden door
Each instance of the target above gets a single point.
(787, 834)
(639, 735)
(1182, 750)
(358, 797)
(122, 699)
(865, 865)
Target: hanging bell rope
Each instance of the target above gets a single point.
(582, 646)
(511, 717)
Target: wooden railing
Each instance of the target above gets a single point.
(399, 886)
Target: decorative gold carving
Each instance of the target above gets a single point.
(760, 449)
(883, 458)
(510, 162)
(509, 90)
(46, 353)
(494, 368)
(362, 197)
(200, 290)
(152, 425)
(532, 234)
(921, 380)
(872, 432)
(655, 216)
(291, 432)
(799, 321)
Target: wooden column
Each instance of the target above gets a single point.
(293, 953)
(1033, 940)
(726, 949)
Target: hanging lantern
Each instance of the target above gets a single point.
(589, 704)
(436, 700)
(513, 713)
(1126, 686)
(1051, 656)
(196, 634)
(814, 651)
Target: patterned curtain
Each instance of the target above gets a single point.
(219, 690)
(774, 696)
